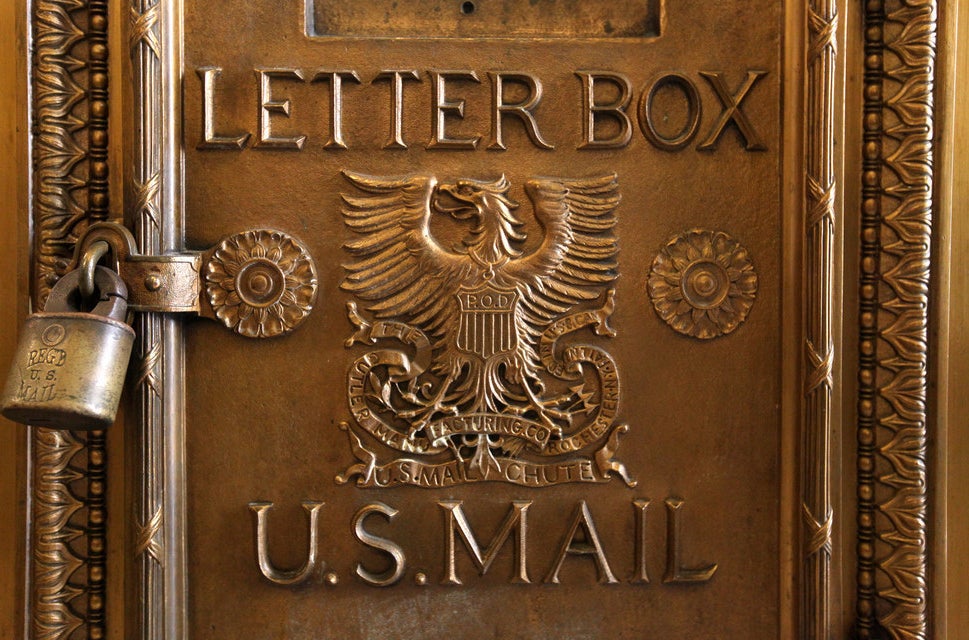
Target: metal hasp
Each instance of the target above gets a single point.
(72, 358)
(258, 283)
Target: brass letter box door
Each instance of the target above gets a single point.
(512, 345)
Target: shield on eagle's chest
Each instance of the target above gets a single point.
(487, 326)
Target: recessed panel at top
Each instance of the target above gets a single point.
(485, 18)
(498, 350)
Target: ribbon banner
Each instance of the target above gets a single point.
(407, 471)
(490, 424)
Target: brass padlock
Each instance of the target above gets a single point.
(70, 365)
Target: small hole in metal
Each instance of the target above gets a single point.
(467, 8)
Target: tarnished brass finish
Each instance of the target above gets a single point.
(70, 364)
(490, 425)
(702, 227)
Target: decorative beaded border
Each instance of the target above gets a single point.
(69, 116)
(896, 235)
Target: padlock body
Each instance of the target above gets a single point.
(68, 371)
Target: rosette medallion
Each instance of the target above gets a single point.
(703, 284)
(261, 283)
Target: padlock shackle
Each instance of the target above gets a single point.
(111, 290)
(89, 261)
(118, 238)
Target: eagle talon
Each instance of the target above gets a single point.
(558, 415)
(602, 327)
(426, 416)
(364, 333)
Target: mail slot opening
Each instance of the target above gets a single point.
(544, 19)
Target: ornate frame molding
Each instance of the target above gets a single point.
(153, 209)
(896, 235)
(143, 191)
(69, 113)
(69, 116)
(817, 511)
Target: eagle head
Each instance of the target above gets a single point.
(488, 205)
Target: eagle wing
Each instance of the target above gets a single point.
(398, 268)
(578, 257)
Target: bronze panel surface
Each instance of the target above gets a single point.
(694, 548)
(508, 19)
(868, 467)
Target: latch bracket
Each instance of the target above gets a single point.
(258, 283)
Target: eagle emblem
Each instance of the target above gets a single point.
(465, 310)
